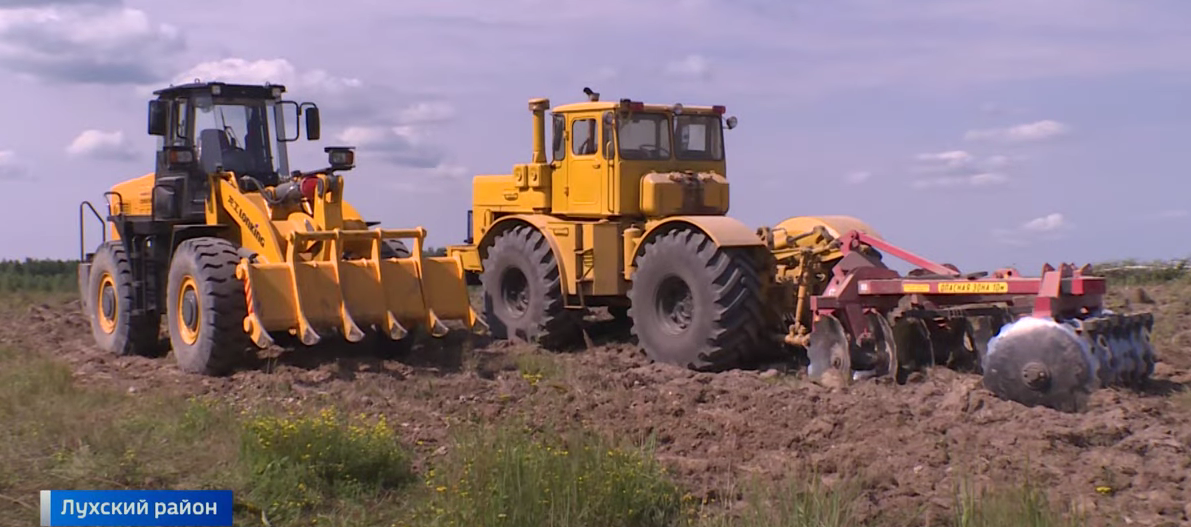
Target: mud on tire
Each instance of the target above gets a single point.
(108, 298)
(205, 307)
(695, 304)
(523, 298)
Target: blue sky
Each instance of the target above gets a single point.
(983, 133)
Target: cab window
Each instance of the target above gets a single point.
(583, 137)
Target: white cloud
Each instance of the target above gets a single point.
(983, 179)
(103, 44)
(858, 177)
(273, 71)
(1171, 214)
(400, 145)
(958, 169)
(10, 167)
(950, 160)
(1049, 227)
(1022, 133)
(427, 113)
(691, 66)
(1051, 222)
(100, 144)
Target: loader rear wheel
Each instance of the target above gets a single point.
(394, 249)
(695, 304)
(523, 291)
(206, 307)
(109, 298)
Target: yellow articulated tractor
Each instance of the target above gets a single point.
(234, 250)
(630, 213)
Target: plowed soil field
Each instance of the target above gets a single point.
(1124, 461)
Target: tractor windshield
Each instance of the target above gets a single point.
(699, 138)
(237, 135)
(644, 136)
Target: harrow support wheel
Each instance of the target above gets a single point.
(523, 297)
(108, 298)
(695, 304)
(206, 307)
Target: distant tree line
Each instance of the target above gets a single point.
(41, 275)
(54, 276)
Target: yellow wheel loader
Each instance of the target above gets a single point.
(630, 213)
(234, 250)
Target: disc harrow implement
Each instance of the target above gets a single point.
(1045, 340)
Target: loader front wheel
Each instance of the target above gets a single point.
(109, 302)
(695, 304)
(206, 307)
(523, 291)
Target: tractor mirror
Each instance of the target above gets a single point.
(158, 117)
(312, 124)
(732, 122)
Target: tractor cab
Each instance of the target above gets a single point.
(209, 126)
(629, 158)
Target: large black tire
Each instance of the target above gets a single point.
(394, 249)
(206, 307)
(523, 299)
(108, 298)
(695, 304)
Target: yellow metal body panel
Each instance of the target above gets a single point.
(667, 194)
(799, 232)
(302, 283)
(133, 197)
(299, 280)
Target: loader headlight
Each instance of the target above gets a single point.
(340, 156)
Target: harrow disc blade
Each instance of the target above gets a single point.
(914, 348)
(828, 349)
(1036, 361)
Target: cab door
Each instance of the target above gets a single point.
(586, 167)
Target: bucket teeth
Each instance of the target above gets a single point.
(396, 330)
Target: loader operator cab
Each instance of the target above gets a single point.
(205, 127)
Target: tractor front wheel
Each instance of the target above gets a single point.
(108, 296)
(206, 307)
(523, 291)
(695, 304)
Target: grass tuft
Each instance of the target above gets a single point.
(507, 476)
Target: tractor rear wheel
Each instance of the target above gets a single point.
(206, 307)
(108, 295)
(523, 291)
(695, 304)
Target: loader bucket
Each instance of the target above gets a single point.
(309, 298)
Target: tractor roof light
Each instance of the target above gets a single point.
(719, 109)
(216, 89)
(677, 108)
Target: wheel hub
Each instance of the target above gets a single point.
(107, 301)
(675, 305)
(514, 289)
(190, 309)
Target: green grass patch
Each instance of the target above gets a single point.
(793, 502)
(1021, 506)
(299, 463)
(510, 476)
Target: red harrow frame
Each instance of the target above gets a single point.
(1045, 340)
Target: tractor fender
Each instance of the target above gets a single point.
(724, 231)
(542, 225)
